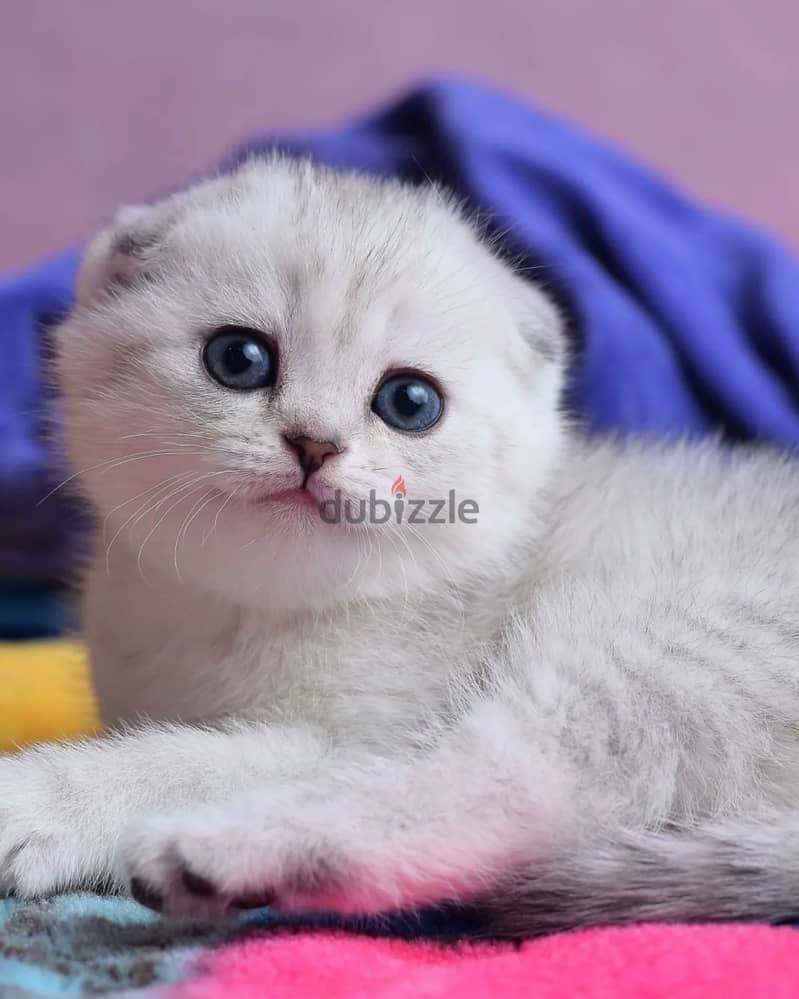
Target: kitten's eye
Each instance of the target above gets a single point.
(239, 358)
(408, 402)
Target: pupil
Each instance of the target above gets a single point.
(241, 356)
(409, 399)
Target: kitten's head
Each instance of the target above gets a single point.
(274, 339)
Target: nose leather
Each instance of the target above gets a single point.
(311, 454)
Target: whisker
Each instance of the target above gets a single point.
(148, 506)
(212, 528)
(198, 484)
(116, 462)
(133, 499)
(199, 506)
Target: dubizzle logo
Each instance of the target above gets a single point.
(409, 511)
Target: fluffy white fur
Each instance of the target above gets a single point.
(547, 713)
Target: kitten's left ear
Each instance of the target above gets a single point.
(541, 323)
(119, 254)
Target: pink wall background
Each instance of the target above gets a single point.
(107, 101)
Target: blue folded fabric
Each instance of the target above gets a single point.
(38, 540)
(36, 612)
(685, 321)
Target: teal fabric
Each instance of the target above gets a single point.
(76, 945)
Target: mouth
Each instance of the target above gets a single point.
(299, 497)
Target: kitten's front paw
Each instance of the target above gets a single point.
(45, 845)
(218, 858)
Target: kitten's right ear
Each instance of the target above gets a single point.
(120, 254)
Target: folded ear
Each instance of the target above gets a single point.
(541, 322)
(120, 254)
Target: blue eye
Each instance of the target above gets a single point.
(240, 359)
(408, 402)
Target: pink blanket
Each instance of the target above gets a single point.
(645, 962)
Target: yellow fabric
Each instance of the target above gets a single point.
(45, 693)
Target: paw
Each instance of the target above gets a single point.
(45, 845)
(216, 859)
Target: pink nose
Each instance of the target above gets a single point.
(311, 454)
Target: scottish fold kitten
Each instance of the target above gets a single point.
(564, 692)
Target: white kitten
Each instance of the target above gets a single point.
(508, 708)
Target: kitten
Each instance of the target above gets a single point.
(574, 701)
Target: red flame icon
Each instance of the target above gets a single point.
(398, 487)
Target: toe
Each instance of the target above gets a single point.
(196, 884)
(253, 900)
(145, 895)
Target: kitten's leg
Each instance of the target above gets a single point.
(369, 837)
(63, 806)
